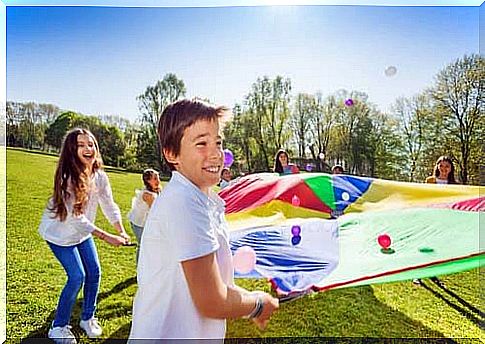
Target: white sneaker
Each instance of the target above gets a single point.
(91, 327)
(62, 335)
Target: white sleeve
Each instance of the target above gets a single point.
(192, 234)
(108, 206)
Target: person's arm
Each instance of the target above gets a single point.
(214, 299)
(109, 207)
(111, 239)
(148, 198)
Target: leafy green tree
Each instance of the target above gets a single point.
(151, 104)
(415, 121)
(458, 96)
(267, 105)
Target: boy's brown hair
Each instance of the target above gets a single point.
(181, 114)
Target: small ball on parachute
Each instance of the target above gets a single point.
(295, 230)
(384, 240)
(309, 167)
(244, 260)
(228, 158)
(295, 200)
(345, 196)
(296, 240)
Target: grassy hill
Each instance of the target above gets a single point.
(35, 279)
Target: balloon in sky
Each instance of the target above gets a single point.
(390, 71)
(349, 102)
(228, 158)
(244, 260)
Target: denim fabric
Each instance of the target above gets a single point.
(137, 230)
(81, 264)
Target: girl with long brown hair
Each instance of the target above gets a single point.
(68, 227)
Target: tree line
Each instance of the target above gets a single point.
(318, 130)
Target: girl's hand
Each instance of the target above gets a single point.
(115, 240)
(120, 229)
(125, 236)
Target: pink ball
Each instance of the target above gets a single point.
(244, 260)
(295, 200)
(384, 241)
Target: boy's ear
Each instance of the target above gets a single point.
(171, 158)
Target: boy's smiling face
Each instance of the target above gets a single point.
(201, 157)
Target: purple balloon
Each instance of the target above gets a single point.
(349, 102)
(228, 158)
(309, 167)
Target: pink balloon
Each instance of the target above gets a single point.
(244, 260)
(384, 241)
(295, 200)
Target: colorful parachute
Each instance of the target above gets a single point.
(434, 229)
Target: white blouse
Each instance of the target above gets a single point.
(77, 228)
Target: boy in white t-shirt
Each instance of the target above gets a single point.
(185, 273)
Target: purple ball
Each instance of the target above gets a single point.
(296, 240)
(349, 102)
(296, 230)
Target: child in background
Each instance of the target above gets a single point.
(185, 275)
(68, 227)
(337, 169)
(282, 164)
(141, 203)
(226, 177)
(443, 172)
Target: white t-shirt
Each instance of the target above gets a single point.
(75, 229)
(140, 208)
(183, 224)
(441, 181)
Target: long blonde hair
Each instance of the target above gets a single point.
(71, 170)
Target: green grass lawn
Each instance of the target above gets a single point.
(35, 279)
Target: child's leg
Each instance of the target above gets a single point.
(137, 230)
(70, 260)
(89, 257)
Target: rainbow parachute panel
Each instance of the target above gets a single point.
(315, 231)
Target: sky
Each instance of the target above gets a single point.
(97, 60)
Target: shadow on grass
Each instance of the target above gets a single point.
(337, 315)
(39, 335)
(466, 309)
(343, 315)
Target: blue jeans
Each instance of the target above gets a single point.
(137, 230)
(81, 264)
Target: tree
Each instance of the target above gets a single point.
(151, 104)
(414, 117)
(321, 123)
(56, 131)
(268, 107)
(458, 93)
